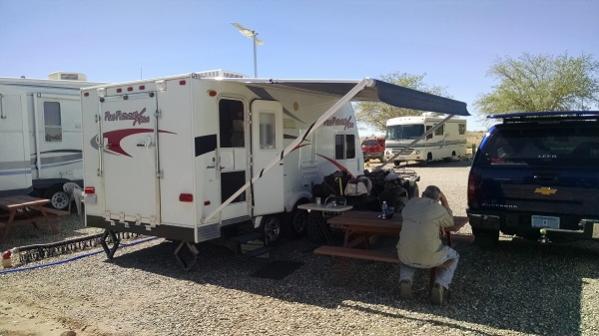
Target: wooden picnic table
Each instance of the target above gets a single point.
(359, 226)
(19, 205)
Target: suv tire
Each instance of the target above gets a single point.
(486, 238)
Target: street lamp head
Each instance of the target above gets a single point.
(251, 34)
(247, 32)
(244, 31)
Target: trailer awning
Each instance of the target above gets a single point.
(377, 91)
(364, 90)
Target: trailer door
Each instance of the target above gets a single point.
(267, 143)
(131, 173)
(15, 165)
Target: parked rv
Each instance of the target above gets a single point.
(40, 135)
(184, 157)
(446, 142)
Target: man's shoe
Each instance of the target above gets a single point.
(405, 289)
(439, 295)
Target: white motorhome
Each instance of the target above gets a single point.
(40, 135)
(182, 157)
(448, 141)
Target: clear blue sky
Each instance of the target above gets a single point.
(453, 42)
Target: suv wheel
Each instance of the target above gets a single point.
(485, 238)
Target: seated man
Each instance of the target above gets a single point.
(420, 246)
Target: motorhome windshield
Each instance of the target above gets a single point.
(399, 132)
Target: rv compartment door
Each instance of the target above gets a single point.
(131, 177)
(267, 143)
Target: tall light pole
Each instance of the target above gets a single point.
(252, 34)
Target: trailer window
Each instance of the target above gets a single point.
(231, 119)
(339, 146)
(231, 182)
(350, 142)
(52, 121)
(430, 135)
(267, 131)
(462, 129)
(439, 131)
(345, 146)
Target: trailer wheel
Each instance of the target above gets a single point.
(296, 222)
(429, 157)
(271, 229)
(58, 199)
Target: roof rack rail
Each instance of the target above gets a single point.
(546, 116)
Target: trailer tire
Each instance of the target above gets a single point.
(296, 222)
(59, 199)
(271, 229)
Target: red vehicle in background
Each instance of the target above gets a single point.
(373, 148)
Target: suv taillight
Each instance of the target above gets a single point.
(474, 181)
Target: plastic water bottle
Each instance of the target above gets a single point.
(384, 210)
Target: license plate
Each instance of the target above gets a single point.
(545, 222)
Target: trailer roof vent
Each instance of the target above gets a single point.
(71, 76)
(219, 73)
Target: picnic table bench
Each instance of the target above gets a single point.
(359, 226)
(28, 207)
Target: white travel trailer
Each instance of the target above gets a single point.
(183, 157)
(40, 135)
(448, 141)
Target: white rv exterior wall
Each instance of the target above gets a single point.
(190, 113)
(22, 110)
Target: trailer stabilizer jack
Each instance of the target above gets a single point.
(187, 256)
(110, 236)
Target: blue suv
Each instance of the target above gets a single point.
(536, 175)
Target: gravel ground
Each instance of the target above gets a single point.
(521, 288)
(71, 226)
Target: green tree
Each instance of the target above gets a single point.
(542, 83)
(376, 114)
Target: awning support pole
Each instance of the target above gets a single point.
(430, 131)
(309, 131)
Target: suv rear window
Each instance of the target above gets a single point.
(543, 145)
(370, 143)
